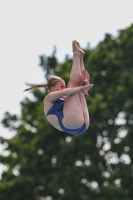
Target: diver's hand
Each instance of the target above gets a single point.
(85, 89)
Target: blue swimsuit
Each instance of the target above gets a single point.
(57, 110)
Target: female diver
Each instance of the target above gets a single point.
(66, 108)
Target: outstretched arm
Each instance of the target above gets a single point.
(52, 96)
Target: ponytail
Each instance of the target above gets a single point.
(36, 86)
(52, 81)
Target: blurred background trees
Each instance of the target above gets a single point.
(45, 164)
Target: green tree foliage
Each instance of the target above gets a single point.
(45, 164)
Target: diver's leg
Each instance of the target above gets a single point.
(75, 108)
(72, 110)
(75, 74)
(85, 110)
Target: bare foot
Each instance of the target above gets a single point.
(86, 81)
(76, 48)
(86, 77)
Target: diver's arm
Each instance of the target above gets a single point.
(52, 96)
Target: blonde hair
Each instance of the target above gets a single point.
(52, 81)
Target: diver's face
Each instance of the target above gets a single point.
(59, 86)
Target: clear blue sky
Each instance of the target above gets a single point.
(30, 28)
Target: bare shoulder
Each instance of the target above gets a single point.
(53, 96)
(47, 100)
(47, 104)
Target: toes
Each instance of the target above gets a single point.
(78, 44)
(74, 42)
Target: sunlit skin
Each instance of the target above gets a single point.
(59, 86)
(75, 109)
